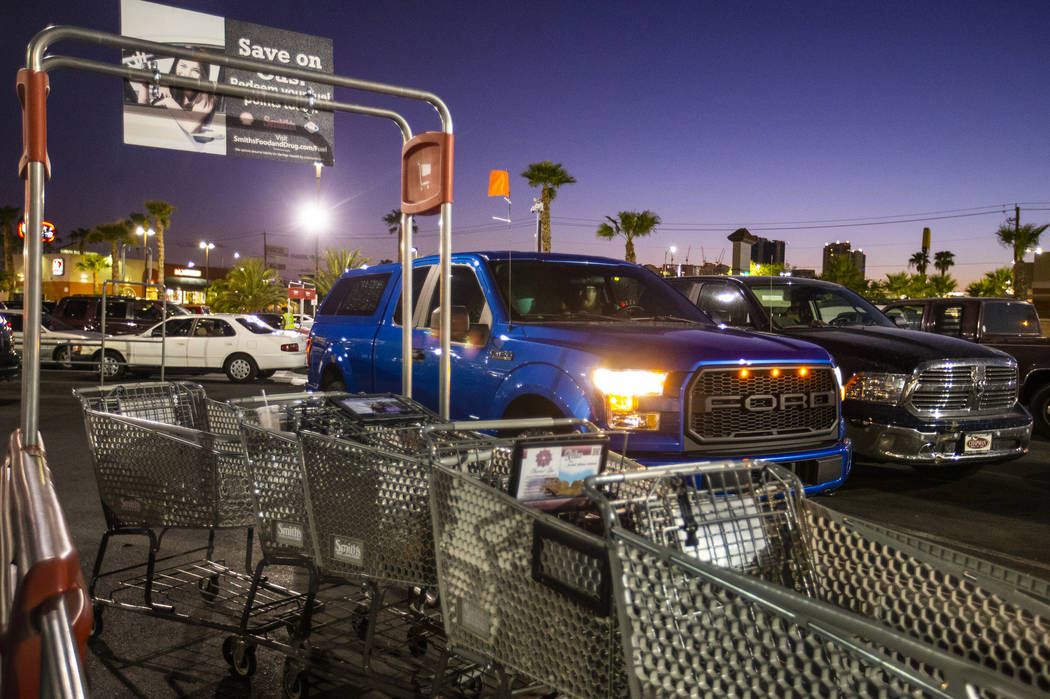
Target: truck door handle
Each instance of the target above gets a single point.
(417, 355)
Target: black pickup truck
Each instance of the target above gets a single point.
(1008, 325)
(937, 403)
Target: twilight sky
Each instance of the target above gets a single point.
(807, 122)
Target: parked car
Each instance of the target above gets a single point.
(1005, 324)
(10, 362)
(238, 344)
(276, 320)
(124, 315)
(59, 343)
(932, 402)
(548, 335)
(197, 308)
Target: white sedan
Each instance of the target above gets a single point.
(237, 343)
(59, 343)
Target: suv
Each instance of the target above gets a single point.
(934, 402)
(124, 315)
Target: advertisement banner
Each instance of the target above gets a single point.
(169, 117)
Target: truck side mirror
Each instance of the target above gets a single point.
(460, 323)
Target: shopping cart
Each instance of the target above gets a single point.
(739, 586)
(167, 457)
(341, 490)
(522, 566)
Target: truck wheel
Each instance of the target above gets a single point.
(1038, 406)
(333, 382)
(113, 365)
(240, 368)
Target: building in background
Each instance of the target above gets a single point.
(768, 252)
(860, 260)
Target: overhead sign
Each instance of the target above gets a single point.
(170, 117)
(47, 230)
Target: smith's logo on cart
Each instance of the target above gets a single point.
(348, 550)
(289, 534)
(130, 505)
(767, 403)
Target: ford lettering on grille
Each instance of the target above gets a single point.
(763, 405)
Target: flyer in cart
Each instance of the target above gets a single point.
(549, 471)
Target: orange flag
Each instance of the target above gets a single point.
(499, 183)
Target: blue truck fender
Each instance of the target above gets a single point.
(546, 381)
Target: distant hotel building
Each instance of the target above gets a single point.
(837, 248)
(768, 252)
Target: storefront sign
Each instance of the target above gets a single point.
(58, 267)
(187, 272)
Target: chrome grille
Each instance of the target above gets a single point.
(964, 387)
(768, 404)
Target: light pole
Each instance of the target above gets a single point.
(672, 250)
(317, 233)
(145, 234)
(207, 248)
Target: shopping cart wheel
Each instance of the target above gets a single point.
(96, 619)
(360, 621)
(209, 587)
(418, 641)
(295, 682)
(240, 656)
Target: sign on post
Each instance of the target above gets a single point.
(170, 117)
(426, 173)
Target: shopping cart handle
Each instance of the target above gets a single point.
(526, 423)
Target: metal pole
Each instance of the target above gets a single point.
(317, 228)
(406, 305)
(61, 671)
(32, 291)
(445, 375)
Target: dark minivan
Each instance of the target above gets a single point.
(124, 315)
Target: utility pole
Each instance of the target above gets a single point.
(265, 263)
(1017, 220)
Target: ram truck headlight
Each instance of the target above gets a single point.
(622, 390)
(876, 387)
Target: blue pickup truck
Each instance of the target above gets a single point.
(576, 336)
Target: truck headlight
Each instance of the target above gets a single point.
(622, 390)
(876, 387)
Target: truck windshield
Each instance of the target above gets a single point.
(801, 305)
(546, 291)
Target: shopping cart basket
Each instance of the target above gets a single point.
(524, 588)
(167, 457)
(704, 612)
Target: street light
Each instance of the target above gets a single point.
(147, 273)
(671, 250)
(207, 247)
(537, 208)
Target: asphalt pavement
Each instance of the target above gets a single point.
(999, 513)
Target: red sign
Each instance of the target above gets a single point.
(47, 230)
(298, 292)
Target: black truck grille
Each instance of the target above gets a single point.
(762, 404)
(964, 388)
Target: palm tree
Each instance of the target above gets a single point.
(942, 285)
(897, 284)
(1020, 238)
(920, 261)
(842, 270)
(549, 176)
(161, 212)
(629, 225)
(942, 260)
(78, 238)
(335, 263)
(116, 234)
(393, 225)
(94, 263)
(250, 288)
(9, 216)
(994, 283)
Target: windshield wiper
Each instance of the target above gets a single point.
(675, 319)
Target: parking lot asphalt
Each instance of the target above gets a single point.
(999, 513)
